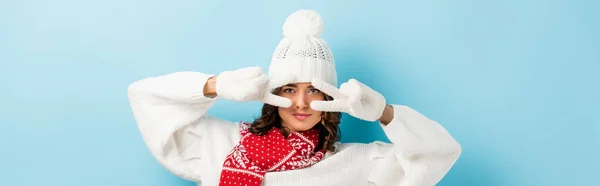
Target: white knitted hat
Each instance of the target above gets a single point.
(302, 53)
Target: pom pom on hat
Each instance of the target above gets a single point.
(303, 23)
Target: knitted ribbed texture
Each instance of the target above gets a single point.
(170, 111)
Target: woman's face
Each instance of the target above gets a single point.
(299, 116)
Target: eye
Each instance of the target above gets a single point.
(288, 90)
(314, 91)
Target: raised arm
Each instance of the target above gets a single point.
(171, 114)
(423, 150)
(170, 111)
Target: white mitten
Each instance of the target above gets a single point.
(251, 84)
(353, 97)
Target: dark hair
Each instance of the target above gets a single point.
(329, 130)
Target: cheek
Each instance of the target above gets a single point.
(317, 97)
(281, 111)
(285, 113)
(318, 115)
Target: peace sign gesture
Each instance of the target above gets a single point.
(251, 84)
(353, 97)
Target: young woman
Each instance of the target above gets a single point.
(296, 139)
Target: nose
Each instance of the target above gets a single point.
(301, 101)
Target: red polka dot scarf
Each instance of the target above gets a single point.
(256, 155)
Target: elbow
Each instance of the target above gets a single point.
(132, 95)
(450, 149)
(132, 90)
(135, 88)
(135, 91)
(455, 151)
(458, 151)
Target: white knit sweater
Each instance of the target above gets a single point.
(171, 114)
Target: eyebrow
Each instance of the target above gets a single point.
(294, 86)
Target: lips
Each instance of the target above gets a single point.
(301, 116)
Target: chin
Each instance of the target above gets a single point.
(300, 126)
(289, 121)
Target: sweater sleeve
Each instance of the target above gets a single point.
(421, 154)
(170, 111)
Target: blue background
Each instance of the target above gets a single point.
(516, 82)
